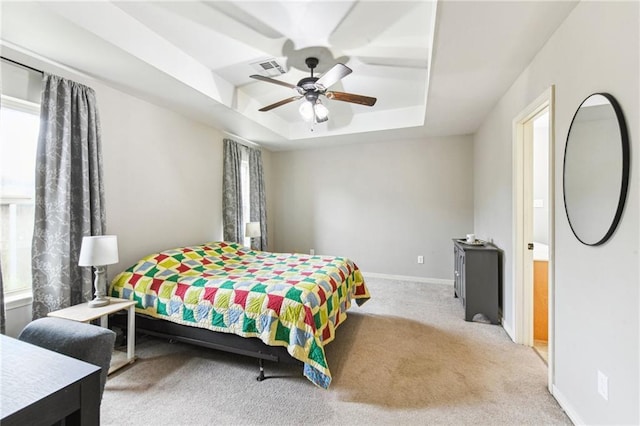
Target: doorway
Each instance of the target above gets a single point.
(539, 126)
(534, 227)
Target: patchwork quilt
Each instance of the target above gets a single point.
(284, 299)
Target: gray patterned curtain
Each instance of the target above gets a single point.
(69, 200)
(257, 198)
(2, 317)
(232, 192)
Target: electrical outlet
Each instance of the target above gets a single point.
(421, 259)
(312, 252)
(603, 385)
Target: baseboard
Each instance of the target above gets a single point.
(508, 329)
(566, 406)
(408, 278)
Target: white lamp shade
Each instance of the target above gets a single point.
(252, 229)
(306, 111)
(321, 111)
(99, 250)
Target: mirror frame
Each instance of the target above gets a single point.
(624, 139)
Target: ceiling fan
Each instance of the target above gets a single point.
(310, 88)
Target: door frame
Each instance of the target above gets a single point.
(522, 218)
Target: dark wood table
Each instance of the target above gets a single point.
(42, 387)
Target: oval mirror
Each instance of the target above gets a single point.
(596, 169)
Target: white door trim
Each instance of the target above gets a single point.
(522, 211)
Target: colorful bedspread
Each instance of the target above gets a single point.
(284, 299)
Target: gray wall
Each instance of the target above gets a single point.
(597, 288)
(380, 204)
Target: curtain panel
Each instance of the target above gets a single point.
(69, 198)
(2, 316)
(233, 228)
(257, 197)
(233, 214)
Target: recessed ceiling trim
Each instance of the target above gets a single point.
(120, 29)
(207, 16)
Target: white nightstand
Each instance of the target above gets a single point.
(84, 313)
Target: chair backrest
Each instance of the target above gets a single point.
(85, 342)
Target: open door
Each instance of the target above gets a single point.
(533, 223)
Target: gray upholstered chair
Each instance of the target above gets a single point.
(85, 342)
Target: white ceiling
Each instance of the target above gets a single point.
(436, 68)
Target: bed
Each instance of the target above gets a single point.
(255, 303)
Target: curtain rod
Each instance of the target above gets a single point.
(21, 65)
(242, 140)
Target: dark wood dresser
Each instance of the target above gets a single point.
(477, 278)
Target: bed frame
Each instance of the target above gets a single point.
(247, 346)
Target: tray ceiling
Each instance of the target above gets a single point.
(196, 57)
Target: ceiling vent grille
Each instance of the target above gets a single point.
(269, 67)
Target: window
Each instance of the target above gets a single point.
(18, 141)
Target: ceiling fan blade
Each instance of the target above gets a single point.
(350, 97)
(274, 81)
(335, 74)
(279, 103)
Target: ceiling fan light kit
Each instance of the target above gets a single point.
(312, 109)
(311, 88)
(321, 112)
(306, 111)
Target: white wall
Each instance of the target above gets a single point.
(162, 176)
(380, 204)
(597, 288)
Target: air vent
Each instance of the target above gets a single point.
(269, 67)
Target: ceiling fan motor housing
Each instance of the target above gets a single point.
(311, 96)
(308, 83)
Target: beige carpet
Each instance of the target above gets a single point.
(405, 357)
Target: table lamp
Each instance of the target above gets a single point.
(252, 229)
(99, 251)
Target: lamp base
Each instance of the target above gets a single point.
(99, 298)
(98, 302)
